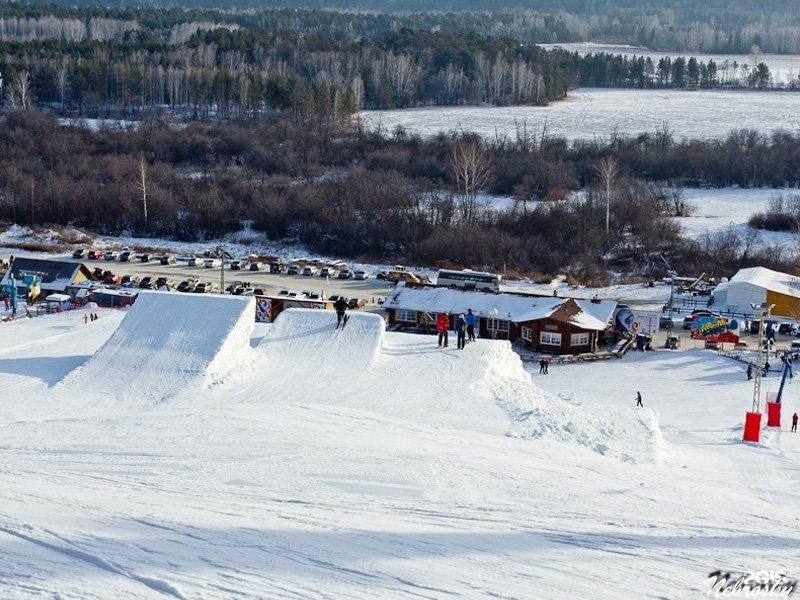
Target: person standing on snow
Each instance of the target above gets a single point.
(341, 306)
(470, 320)
(461, 331)
(542, 365)
(639, 399)
(442, 325)
(749, 372)
(794, 422)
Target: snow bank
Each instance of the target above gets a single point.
(165, 344)
(483, 388)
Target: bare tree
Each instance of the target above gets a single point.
(62, 83)
(141, 184)
(471, 167)
(607, 169)
(21, 91)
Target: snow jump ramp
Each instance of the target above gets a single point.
(167, 343)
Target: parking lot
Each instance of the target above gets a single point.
(371, 289)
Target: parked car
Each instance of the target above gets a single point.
(194, 261)
(146, 258)
(212, 263)
(381, 275)
(335, 297)
(206, 287)
(130, 280)
(711, 345)
(256, 266)
(79, 253)
(187, 285)
(356, 302)
(309, 271)
(665, 321)
(345, 274)
(688, 322)
(361, 275)
(110, 255)
(95, 255)
(99, 274)
(327, 272)
(112, 279)
(277, 267)
(260, 291)
(127, 256)
(293, 270)
(240, 290)
(147, 282)
(673, 342)
(239, 265)
(787, 329)
(167, 260)
(312, 295)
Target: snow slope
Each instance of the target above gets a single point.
(370, 464)
(166, 343)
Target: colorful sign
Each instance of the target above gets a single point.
(714, 325)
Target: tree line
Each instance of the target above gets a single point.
(357, 193)
(728, 26)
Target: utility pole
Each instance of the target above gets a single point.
(221, 252)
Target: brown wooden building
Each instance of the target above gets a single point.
(544, 323)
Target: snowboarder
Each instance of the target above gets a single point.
(639, 399)
(470, 320)
(542, 365)
(794, 422)
(442, 325)
(749, 372)
(461, 331)
(341, 306)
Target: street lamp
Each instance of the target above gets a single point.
(493, 315)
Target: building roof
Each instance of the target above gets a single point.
(56, 275)
(781, 283)
(517, 308)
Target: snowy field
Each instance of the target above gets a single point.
(296, 461)
(600, 113)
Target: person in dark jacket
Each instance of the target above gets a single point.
(442, 325)
(749, 372)
(341, 306)
(639, 399)
(461, 331)
(794, 422)
(470, 320)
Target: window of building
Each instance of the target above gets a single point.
(405, 315)
(527, 334)
(579, 339)
(550, 339)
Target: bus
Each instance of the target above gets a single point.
(470, 280)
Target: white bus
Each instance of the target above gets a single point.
(470, 280)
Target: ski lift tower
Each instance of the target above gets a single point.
(672, 275)
(752, 421)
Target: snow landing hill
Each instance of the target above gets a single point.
(177, 449)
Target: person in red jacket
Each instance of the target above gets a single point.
(794, 422)
(442, 325)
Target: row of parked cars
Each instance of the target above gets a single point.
(123, 256)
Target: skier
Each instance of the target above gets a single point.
(470, 319)
(639, 399)
(749, 372)
(442, 325)
(794, 422)
(461, 331)
(341, 306)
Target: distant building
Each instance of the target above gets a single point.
(543, 323)
(269, 307)
(57, 276)
(758, 285)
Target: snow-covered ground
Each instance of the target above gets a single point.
(600, 113)
(297, 461)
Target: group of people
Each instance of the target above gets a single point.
(463, 325)
(90, 317)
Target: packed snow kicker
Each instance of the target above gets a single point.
(295, 460)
